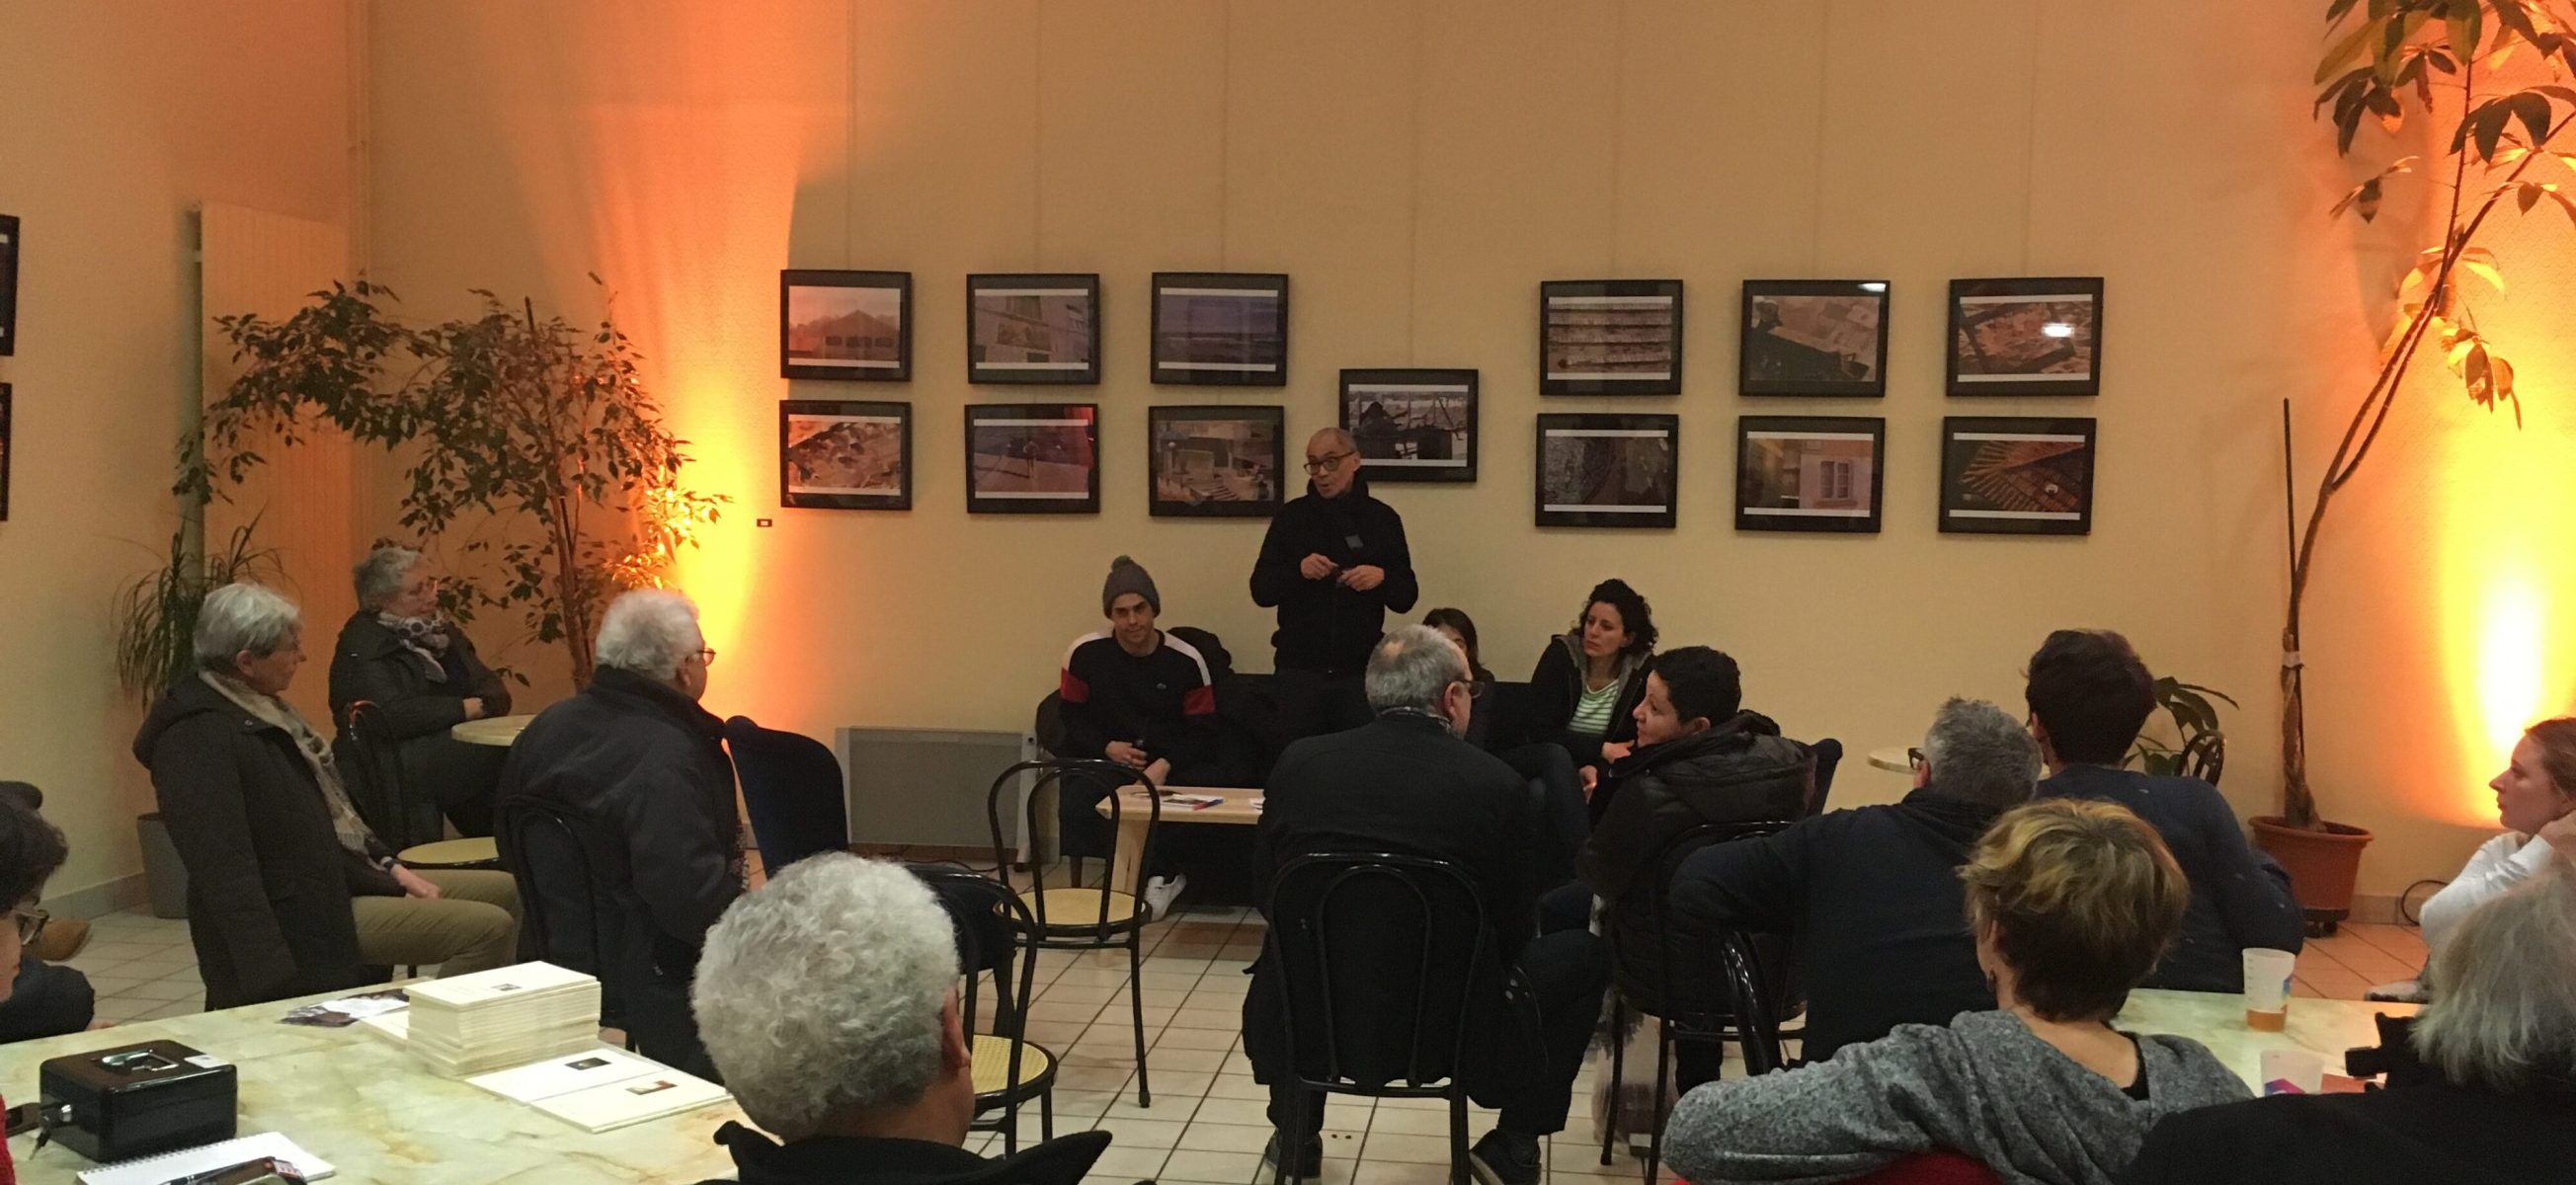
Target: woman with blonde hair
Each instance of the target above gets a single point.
(2071, 903)
(2536, 803)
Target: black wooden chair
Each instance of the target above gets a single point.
(1009, 1068)
(1078, 918)
(1379, 958)
(791, 788)
(2205, 757)
(407, 823)
(566, 911)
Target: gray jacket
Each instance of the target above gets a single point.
(1983, 1086)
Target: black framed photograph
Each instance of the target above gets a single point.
(1814, 337)
(8, 284)
(1610, 337)
(844, 454)
(1412, 424)
(1033, 458)
(1608, 470)
(2026, 336)
(1809, 473)
(854, 326)
(1223, 329)
(2017, 475)
(1214, 462)
(1033, 328)
(7, 447)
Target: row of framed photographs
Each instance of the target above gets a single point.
(2023, 336)
(1999, 474)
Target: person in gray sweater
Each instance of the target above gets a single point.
(2071, 903)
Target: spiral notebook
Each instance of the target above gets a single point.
(169, 1166)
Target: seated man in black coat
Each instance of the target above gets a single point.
(2089, 694)
(637, 757)
(1407, 784)
(400, 653)
(1872, 895)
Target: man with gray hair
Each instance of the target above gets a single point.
(1872, 895)
(644, 767)
(829, 1001)
(1333, 563)
(1406, 783)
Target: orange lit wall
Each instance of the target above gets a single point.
(1419, 167)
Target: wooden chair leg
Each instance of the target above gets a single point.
(1618, 1058)
(1136, 1005)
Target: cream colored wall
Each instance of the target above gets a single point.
(1418, 168)
(119, 119)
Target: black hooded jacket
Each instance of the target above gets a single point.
(1323, 626)
(1873, 899)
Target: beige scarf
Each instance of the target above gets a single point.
(269, 709)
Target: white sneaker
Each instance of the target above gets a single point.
(1160, 892)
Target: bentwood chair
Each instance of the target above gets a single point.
(1075, 917)
(566, 915)
(1009, 1069)
(410, 824)
(791, 788)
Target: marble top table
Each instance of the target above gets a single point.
(378, 1114)
(2217, 1020)
(496, 731)
(1892, 758)
(1134, 814)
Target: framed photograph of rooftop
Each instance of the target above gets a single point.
(8, 284)
(845, 325)
(1608, 470)
(1214, 462)
(1033, 458)
(1412, 424)
(1809, 473)
(844, 454)
(1814, 337)
(1610, 337)
(1226, 329)
(1033, 329)
(2013, 475)
(2026, 336)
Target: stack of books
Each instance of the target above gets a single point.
(508, 1016)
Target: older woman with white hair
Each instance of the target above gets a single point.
(2494, 1100)
(635, 757)
(289, 892)
(400, 653)
(829, 1002)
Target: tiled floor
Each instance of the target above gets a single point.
(1207, 1123)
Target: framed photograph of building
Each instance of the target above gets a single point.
(2026, 337)
(1412, 424)
(1214, 462)
(1033, 329)
(1608, 470)
(1226, 329)
(1809, 473)
(7, 447)
(1814, 337)
(8, 284)
(845, 325)
(1610, 337)
(1033, 458)
(844, 454)
(2013, 475)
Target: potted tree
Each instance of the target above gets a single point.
(2507, 64)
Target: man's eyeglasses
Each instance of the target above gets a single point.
(1914, 757)
(31, 922)
(1320, 464)
(707, 656)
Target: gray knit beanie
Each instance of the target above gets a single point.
(1128, 576)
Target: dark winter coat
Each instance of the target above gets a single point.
(1323, 626)
(268, 882)
(1556, 688)
(370, 663)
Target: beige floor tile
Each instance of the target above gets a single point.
(1142, 1133)
(1105, 1078)
(1063, 1012)
(1129, 1164)
(156, 968)
(1227, 1168)
(1229, 1019)
(1379, 1172)
(1207, 1061)
(1092, 977)
(1204, 1136)
(1217, 1039)
(164, 989)
(1085, 1105)
(1237, 1086)
(1171, 1083)
(125, 1008)
(109, 985)
(1249, 1112)
(1075, 993)
(1172, 1103)
(1391, 1146)
(1055, 1033)
(1413, 1121)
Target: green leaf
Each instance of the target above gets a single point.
(2464, 27)
(2346, 51)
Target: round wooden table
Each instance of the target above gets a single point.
(496, 731)
(1892, 758)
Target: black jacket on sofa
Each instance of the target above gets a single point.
(268, 882)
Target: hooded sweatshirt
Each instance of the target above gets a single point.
(1983, 1085)
(1872, 896)
(1323, 626)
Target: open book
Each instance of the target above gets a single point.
(600, 1089)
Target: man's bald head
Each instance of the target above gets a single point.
(1333, 461)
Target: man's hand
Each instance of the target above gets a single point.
(2561, 834)
(1363, 577)
(473, 707)
(413, 885)
(1126, 754)
(1591, 782)
(1316, 567)
(1158, 771)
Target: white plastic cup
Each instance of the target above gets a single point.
(2293, 1071)
(2267, 988)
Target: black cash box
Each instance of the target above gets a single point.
(136, 1100)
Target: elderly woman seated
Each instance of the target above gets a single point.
(2494, 1100)
(401, 654)
(289, 892)
(2071, 902)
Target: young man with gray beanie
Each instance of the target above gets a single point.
(1137, 696)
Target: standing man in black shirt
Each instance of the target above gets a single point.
(1333, 564)
(1137, 696)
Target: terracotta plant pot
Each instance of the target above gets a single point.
(2323, 865)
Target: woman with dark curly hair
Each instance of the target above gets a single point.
(1584, 693)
